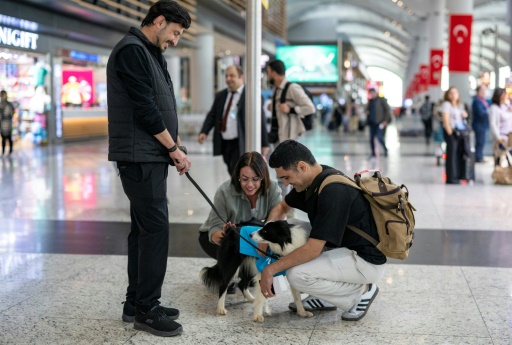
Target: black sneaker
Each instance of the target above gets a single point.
(156, 322)
(129, 312)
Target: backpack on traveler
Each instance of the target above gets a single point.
(307, 120)
(391, 210)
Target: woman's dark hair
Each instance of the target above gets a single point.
(277, 66)
(171, 10)
(255, 161)
(288, 154)
(496, 96)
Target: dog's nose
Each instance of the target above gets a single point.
(250, 235)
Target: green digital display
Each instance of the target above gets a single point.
(310, 63)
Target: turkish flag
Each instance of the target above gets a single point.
(460, 42)
(424, 76)
(436, 66)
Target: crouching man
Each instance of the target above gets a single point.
(336, 267)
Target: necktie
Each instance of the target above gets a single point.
(226, 113)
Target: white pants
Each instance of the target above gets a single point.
(336, 276)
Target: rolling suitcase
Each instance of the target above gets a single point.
(467, 171)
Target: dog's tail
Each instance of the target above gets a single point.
(211, 278)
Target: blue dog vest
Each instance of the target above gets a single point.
(245, 248)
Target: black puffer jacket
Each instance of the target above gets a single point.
(139, 108)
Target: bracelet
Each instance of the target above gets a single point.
(172, 149)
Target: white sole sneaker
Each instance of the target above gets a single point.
(312, 303)
(358, 311)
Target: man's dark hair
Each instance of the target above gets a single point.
(288, 154)
(277, 66)
(171, 10)
(427, 98)
(238, 69)
(496, 96)
(372, 90)
(3, 92)
(255, 161)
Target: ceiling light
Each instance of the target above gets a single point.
(394, 0)
(387, 33)
(400, 3)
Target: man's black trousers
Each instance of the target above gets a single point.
(145, 185)
(230, 154)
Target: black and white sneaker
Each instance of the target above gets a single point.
(156, 322)
(129, 312)
(359, 310)
(312, 303)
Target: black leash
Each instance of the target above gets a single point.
(271, 255)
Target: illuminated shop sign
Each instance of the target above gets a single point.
(18, 23)
(84, 56)
(18, 38)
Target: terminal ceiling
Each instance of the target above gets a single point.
(385, 34)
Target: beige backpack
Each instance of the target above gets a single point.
(391, 210)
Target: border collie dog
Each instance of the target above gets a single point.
(282, 238)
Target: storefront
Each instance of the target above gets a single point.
(56, 78)
(24, 73)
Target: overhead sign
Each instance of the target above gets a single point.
(460, 42)
(18, 38)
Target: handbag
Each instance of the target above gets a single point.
(502, 173)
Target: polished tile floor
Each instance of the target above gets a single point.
(64, 221)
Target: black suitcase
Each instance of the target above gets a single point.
(467, 169)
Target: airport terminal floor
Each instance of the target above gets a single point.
(65, 219)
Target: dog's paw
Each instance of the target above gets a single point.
(222, 311)
(258, 318)
(305, 314)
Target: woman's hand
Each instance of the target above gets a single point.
(217, 236)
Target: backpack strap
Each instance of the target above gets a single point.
(282, 98)
(340, 178)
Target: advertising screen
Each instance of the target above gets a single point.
(310, 63)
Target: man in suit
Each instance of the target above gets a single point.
(227, 117)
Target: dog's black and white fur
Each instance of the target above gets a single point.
(282, 238)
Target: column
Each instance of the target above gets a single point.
(174, 67)
(201, 74)
(459, 75)
(436, 23)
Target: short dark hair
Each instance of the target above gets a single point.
(277, 66)
(372, 90)
(478, 88)
(255, 161)
(427, 98)
(288, 153)
(171, 10)
(3, 92)
(496, 96)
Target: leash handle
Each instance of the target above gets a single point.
(273, 256)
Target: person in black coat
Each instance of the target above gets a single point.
(227, 117)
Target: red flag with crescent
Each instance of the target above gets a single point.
(436, 66)
(460, 42)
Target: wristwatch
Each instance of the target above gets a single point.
(172, 149)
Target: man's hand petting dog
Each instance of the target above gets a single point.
(267, 278)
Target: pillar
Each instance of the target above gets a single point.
(436, 23)
(202, 73)
(174, 67)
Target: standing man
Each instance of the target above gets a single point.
(379, 115)
(143, 140)
(480, 124)
(227, 117)
(286, 117)
(6, 114)
(426, 117)
(345, 275)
